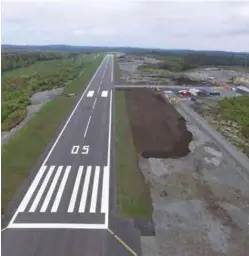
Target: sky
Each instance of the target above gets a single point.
(199, 25)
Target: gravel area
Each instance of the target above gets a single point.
(200, 201)
(130, 74)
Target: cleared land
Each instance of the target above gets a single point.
(25, 148)
(158, 130)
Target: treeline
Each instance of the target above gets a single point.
(14, 60)
(191, 61)
(196, 60)
(17, 90)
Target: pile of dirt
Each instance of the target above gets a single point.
(158, 130)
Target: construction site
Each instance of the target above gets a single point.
(198, 182)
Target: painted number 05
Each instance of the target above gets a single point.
(84, 150)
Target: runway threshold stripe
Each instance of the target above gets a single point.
(85, 189)
(105, 190)
(95, 190)
(51, 189)
(41, 190)
(60, 191)
(75, 189)
(31, 189)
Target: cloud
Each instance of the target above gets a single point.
(166, 24)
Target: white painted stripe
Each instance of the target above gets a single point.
(85, 189)
(31, 189)
(90, 94)
(95, 190)
(58, 225)
(104, 94)
(112, 59)
(99, 89)
(41, 170)
(60, 190)
(94, 103)
(51, 189)
(105, 190)
(87, 126)
(110, 131)
(75, 189)
(41, 190)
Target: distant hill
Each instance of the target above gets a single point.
(88, 49)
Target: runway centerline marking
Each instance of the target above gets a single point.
(104, 94)
(94, 103)
(90, 94)
(89, 120)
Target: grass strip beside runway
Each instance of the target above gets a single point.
(24, 149)
(133, 195)
(85, 76)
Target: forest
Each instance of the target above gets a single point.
(13, 60)
(20, 84)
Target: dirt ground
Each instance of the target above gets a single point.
(158, 130)
(200, 202)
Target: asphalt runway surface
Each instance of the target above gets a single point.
(65, 210)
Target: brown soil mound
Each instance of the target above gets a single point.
(158, 130)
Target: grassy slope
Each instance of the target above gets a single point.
(23, 151)
(133, 196)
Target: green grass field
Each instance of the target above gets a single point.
(76, 86)
(26, 146)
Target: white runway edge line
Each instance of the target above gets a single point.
(106, 175)
(113, 56)
(41, 171)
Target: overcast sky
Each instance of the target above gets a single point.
(206, 25)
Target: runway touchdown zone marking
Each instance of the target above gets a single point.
(90, 94)
(104, 94)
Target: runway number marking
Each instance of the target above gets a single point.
(76, 148)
